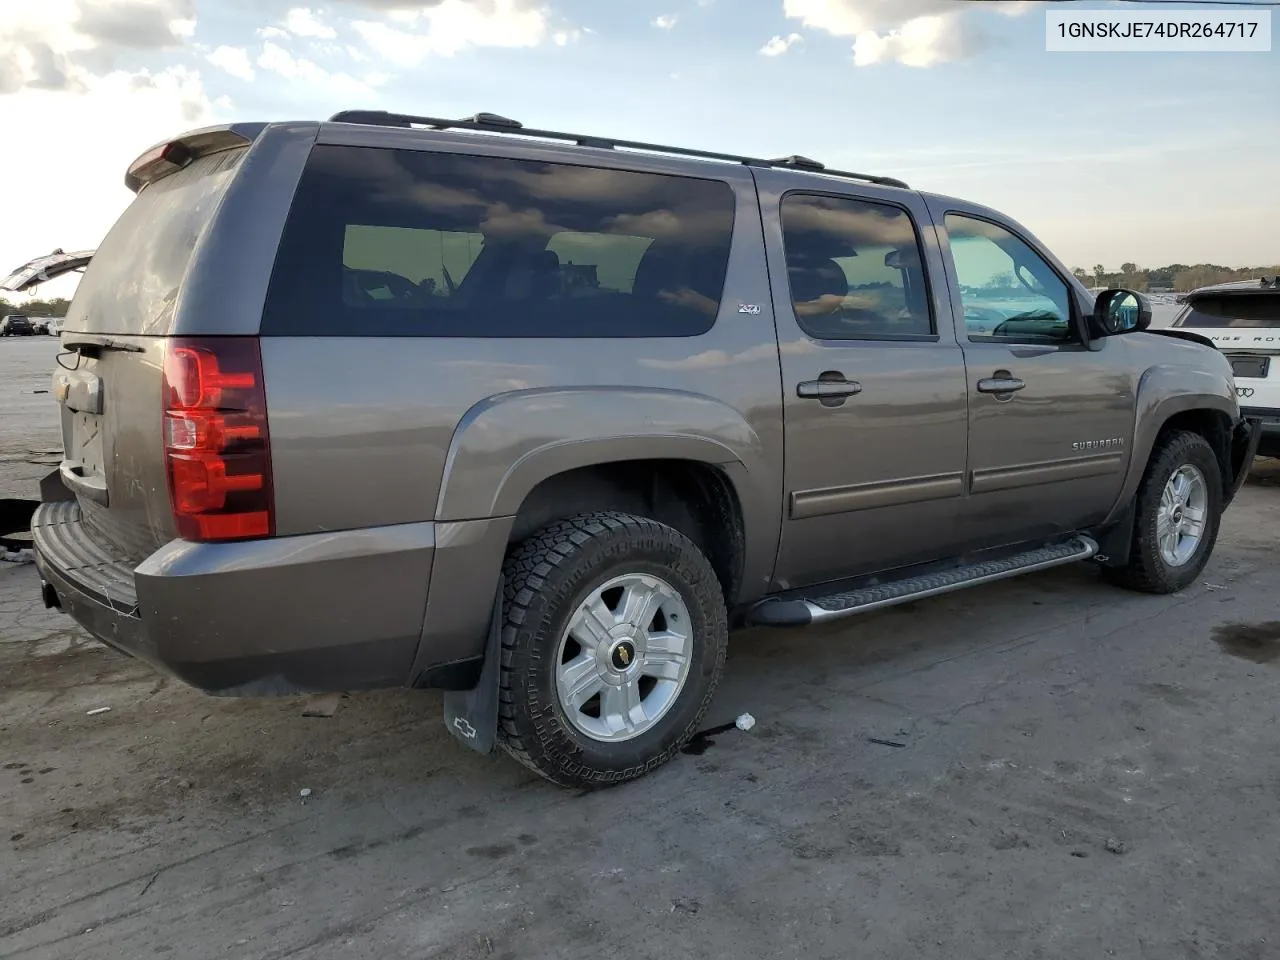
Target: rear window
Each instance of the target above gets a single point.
(132, 281)
(408, 243)
(1236, 310)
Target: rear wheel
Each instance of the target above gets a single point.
(613, 642)
(1179, 507)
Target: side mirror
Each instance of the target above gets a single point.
(1120, 311)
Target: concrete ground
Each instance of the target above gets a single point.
(1071, 771)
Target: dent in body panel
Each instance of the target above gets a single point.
(468, 563)
(220, 602)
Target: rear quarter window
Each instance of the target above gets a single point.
(410, 243)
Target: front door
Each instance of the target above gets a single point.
(873, 380)
(1050, 418)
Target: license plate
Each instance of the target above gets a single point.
(1251, 367)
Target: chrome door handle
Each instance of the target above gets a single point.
(1000, 384)
(827, 389)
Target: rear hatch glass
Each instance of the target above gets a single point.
(132, 281)
(1233, 310)
(109, 382)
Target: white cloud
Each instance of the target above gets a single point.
(562, 38)
(917, 33)
(276, 59)
(303, 22)
(115, 117)
(666, 22)
(234, 60)
(780, 45)
(451, 26)
(273, 33)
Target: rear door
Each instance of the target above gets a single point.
(1050, 419)
(873, 384)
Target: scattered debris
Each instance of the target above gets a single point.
(304, 792)
(322, 705)
(1214, 586)
(685, 905)
(97, 710)
(885, 743)
(1116, 846)
(745, 722)
(701, 741)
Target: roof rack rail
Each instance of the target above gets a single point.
(492, 123)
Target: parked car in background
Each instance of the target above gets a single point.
(16, 325)
(1242, 319)
(535, 417)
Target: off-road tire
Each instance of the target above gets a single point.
(547, 576)
(1146, 571)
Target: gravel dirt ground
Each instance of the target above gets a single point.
(1070, 771)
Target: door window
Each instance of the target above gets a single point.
(855, 268)
(1008, 291)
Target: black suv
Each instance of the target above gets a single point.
(16, 325)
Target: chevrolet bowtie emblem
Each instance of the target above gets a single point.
(624, 655)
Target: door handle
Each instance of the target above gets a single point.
(1001, 383)
(828, 389)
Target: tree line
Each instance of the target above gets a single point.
(1179, 277)
(57, 307)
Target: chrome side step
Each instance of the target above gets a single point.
(779, 612)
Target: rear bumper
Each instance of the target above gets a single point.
(313, 613)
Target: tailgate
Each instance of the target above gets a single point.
(109, 378)
(112, 440)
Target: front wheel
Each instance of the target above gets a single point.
(1179, 508)
(613, 642)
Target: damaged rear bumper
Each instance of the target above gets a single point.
(316, 613)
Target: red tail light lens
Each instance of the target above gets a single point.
(216, 445)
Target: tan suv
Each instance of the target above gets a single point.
(536, 417)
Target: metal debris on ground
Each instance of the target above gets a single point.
(304, 792)
(97, 710)
(745, 722)
(885, 743)
(322, 705)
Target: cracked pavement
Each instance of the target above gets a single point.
(1084, 773)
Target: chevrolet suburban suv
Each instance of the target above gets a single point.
(536, 418)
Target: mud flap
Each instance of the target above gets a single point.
(472, 715)
(1244, 446)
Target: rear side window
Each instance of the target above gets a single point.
(1236, 310)
(409, 243)
(132, 282)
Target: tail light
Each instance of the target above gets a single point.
(217, 449)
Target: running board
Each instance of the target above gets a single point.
(780, 612)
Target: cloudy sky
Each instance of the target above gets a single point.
(1153, 158)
